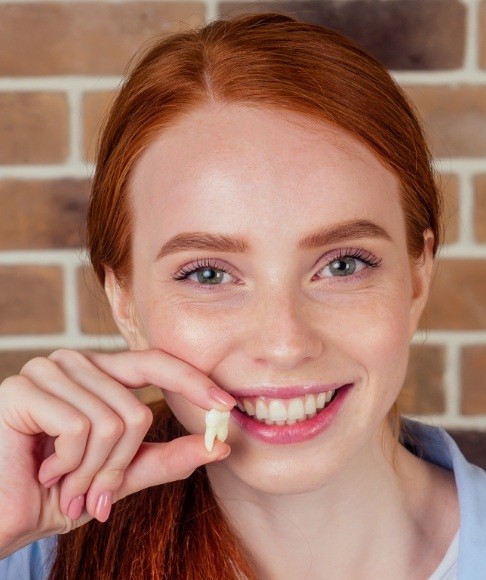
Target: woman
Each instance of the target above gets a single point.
(264, 220)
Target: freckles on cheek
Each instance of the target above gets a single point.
(198, 339)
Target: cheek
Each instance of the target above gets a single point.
(381, 345)
(190, 333)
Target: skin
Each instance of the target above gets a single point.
(280, 318)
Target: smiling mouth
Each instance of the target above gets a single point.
(275, 411)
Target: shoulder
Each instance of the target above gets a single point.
(437, 446)
(33, 562)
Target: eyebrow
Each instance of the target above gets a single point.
(224, 243)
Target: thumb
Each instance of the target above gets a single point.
(158, 463)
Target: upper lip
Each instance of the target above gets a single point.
(285, 391)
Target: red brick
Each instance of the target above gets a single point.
(450, 188)
(95, 109)
(458, 298)
(34, 127)
(94, 311)
(42, 214)
(455, 118)
(31, 300)
(59, 38)
(11, 362)
(480, 209)
(482, 34)
(473, 368)
(404, 35)
(423, 391)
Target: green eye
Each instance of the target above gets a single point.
(209, 276)
(343, 267)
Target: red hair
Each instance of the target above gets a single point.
(265, 60)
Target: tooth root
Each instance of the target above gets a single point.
(216, 427)
(209, 437)
(222, 428)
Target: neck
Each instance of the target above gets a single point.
(371, 520)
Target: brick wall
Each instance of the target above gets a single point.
(60, 63)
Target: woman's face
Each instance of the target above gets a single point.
(270, 253)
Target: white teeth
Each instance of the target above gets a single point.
(321, 400)
(295, 410)
(277, 410)
(217, 423)
(286, 411)
(261, 410)
(310, 405)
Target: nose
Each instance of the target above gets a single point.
(283, 332)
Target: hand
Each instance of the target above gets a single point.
(71, 436)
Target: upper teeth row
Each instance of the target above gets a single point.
(285, 409)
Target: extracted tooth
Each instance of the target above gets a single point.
(209, 437)
(216, 427)
(222, 428)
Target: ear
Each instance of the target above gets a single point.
(121, 303)
(421, 271)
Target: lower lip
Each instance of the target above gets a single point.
(296, 433)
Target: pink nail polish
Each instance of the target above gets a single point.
(222, 397)
(103, 506)
(75, 508)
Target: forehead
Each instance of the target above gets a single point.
(235, 167)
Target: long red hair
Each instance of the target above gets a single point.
(177, 530)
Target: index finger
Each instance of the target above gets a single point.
(136, 369)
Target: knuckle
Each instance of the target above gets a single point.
(66, 356)
(79, 425)
(110, 427)
(111, 478)
(37, 366)
(13, 383)
(140, 418)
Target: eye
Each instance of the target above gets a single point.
(210, 276)
(348, 263)
(344, 267)
(205, 273)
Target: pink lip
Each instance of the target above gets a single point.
(285, 434)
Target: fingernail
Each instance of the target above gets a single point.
(75, 508)
(103, 506)
(222, 397)
(52, 481)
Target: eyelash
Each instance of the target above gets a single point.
(370, 260)
(189, 269)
